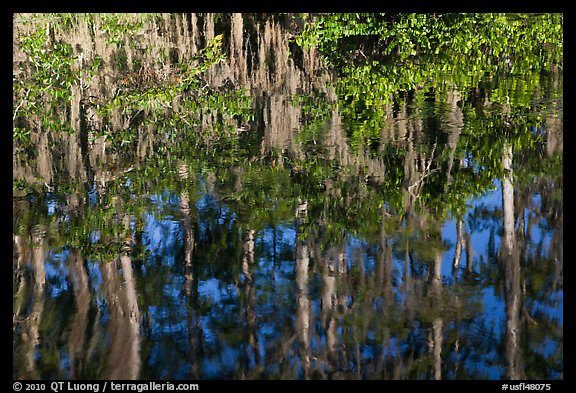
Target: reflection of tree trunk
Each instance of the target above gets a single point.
(437, 332)
(250, 294)
(20, 280)
(416, 167)
(456, 121)
(437, 273)
(248, 253)
(407, 281)
(554, 135)
(303, 305)
(557, 253)
(410, 176)
(19, 297)
(80, 320)
(329, 303)
(437, 324)
(508, 200)
(76, 144)
(384, 268)
(188, 233)
(469, 251)
(303, 315)
(511, 262)
(189, 245)
(459, 245)
(45, 162)
(521, 202)
(30, 331)
(145, 142)
(330, 293)
(405, 132)
(124, 325)
(237, 55)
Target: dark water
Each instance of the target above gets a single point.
(286, 249)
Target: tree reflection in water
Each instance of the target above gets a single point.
(225, 196)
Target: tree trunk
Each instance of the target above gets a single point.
(511, 263)
(31, 327)
(303, 305)
(250, 295)
(456, 122)
(123, 360)
(79, 324)
(459, 245)
(437, 326)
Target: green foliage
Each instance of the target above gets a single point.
(52, 78)
(119, 27)
(43, 91)
(180, 103)
(316, 111)
(43, 95)
(382, 58)
(379, 55)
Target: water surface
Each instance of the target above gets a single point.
(262, 227)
